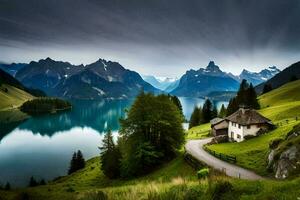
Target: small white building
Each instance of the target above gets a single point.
(246, 122)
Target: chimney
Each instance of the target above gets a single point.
(243, 108)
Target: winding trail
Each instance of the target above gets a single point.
(195, 148)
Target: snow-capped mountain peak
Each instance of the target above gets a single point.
(258, 77)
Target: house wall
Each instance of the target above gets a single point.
(252, 131)
(240, 133)
(234, 131)
(221, 132)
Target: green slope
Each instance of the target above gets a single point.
(174, 180)
(282, 106)
(288, 93)
(198, 132)
(13, 98)
(283, 103)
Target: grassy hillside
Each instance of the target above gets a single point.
(198, 132)
(175, 180)
(13, 98)
(279, 105)
(289, 92)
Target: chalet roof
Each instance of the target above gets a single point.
(247, 117)
(216, 120)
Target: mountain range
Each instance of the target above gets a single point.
(258, 77)
(12, 68)
(206, 81)
(198, 83)
(101, 79)
(107, 79)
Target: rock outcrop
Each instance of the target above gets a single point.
(284, 156)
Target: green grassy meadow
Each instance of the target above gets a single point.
(198, 132)
(174, 180)
(13, 98)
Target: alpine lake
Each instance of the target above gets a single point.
(46, 143)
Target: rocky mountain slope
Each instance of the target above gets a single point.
(198, 83)
(13, 68)
(101, 79)
(258, 77)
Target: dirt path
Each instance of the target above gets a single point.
(194, 147)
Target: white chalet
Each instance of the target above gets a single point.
(246, 122)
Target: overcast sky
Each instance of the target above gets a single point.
(158, 37)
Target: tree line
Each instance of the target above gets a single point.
(44, 105)
(77, 162)
(202, 115)
(246, 97)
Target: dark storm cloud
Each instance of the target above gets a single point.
(152, 34)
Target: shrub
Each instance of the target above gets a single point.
(22, 196)
(203, 173)
(193, 194)
(274, 143)
(70, 189)
(99, 195)
(221, 188)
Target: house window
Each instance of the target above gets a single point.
(232, 134)
(238, 136)
(239, 126)
(248, 126)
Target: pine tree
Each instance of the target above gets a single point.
(222, 112)
(110, 156)
(214, 112)
(42, 182)
(196, 117)
(232, 106)
(252, 101)
(7, 186)
(246, 97)
(267, 88)
(77, 162)
(293, 78)
(73, 164)
(32, 182)
(241, 96)
(176, 101)
(80, 160)
(207, 111)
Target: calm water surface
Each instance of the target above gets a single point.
(42, 146)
